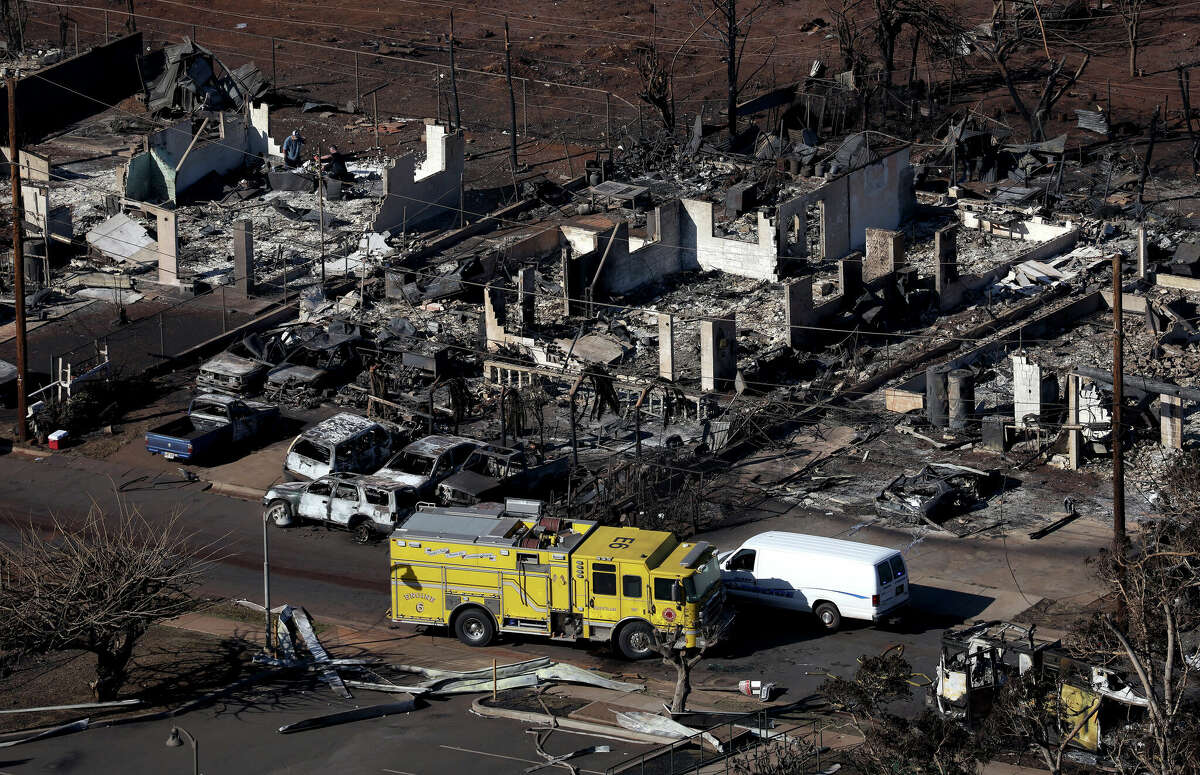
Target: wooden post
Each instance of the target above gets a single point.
(1118, 398)
(357, 85)
(274, 72)
(321, 202)
(437, 85)
(512, 110)
(14, 170)
(453, 78)
(608, 119)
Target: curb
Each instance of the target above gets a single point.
(30, 452)
(607, 730)
(239, 491)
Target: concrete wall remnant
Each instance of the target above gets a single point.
(798, 312)
(718, 353)
(877, 195)
(945, 253)
(177, 158)
(702, 249)
(414, 193)
(243, 256)
(260, 132)
(1032, 393)
(954, 292)
(74, 89)
(885, 251)
(666, 346)
(1170, 410)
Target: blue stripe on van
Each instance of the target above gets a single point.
(784, 591)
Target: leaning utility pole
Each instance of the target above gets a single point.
(1118, 398)
(321, 204)
(512, 110)
(453, 78)
(18, 258)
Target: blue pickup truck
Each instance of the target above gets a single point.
(213, 425)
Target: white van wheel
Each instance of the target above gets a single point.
(829, 616)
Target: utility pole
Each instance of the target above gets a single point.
(1118, 399)
(14, 169)
(453, 78)
(512, 111)
(321, 202)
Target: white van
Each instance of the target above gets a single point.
(831, 578)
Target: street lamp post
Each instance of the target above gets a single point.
(174, 741)
(267, 582)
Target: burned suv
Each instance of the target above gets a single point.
(367, 506)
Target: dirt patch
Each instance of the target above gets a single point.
(170, 666)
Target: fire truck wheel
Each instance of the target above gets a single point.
(636, 641)
(474, 627)
(829, 616)
(280, 513)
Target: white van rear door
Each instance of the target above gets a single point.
(886, 585)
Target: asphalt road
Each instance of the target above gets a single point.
(337, 579)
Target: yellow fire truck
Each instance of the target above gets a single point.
(492, 568)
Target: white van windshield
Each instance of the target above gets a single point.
(706, 575)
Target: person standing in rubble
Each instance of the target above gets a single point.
(293, 149)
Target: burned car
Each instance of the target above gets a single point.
(367, 506)
(936, 493)
(342, 443)
(423, 464)
(318, 362)
(242, 369)
(492, 472)
(232, 375)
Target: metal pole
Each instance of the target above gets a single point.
(274, 73)
(437, 84)
(375, 113)
(574, 439)
(608, 118)
(637, 426)
(76, 36)
(1118, 400)
(224, 325)
(357, 87)
(503, 427)
(14, 170)
(525, 107)
(267, 583)
(106, 26)
(493, 679)
(162, 339)
(453, 79)
(194, 33)
(321, 201)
